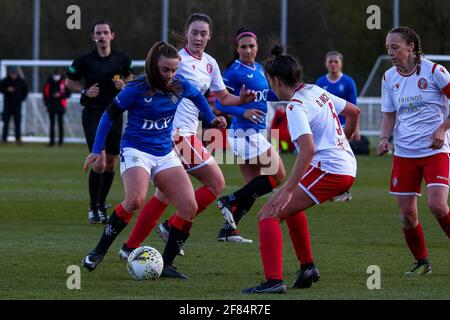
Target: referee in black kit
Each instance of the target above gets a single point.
(105, 72)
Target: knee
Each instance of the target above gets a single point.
(216, 185)
(110, 165)
(99, 168)
(189, 210)
(134, 203)
(439, 210)
(264, 213)
(409, 220)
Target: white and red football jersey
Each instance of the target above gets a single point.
(312, 110)
(421, 103)
(203, 73)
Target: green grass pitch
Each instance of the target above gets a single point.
(44, 229)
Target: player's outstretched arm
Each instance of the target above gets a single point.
(438, 136)
(351, 113)
(227, 99)
(387, 127)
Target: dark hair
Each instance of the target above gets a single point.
(334, 53)
(198, 17)
(180, 38)
(410, 36)
(284, 66)
(236, 41)
(151, 68)
(96, 23)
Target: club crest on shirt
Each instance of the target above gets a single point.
(422, 83)
(397, 85)
(209, 68)
(174, 98)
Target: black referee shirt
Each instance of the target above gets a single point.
(94, 68)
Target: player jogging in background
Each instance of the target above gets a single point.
(202, 71)
(146, 151)
(343, 86)
(246, 137)
(415, 93)
(104, 72)
(325, 167)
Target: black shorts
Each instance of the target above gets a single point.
(91, 118)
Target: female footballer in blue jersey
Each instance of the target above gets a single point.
(343, 86)
(245, 137)
(146, 151)
(203, 72)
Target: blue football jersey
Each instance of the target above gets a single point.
(150, 117)
(344, 88)
(234, 77)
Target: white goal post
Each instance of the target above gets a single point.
(35, 122)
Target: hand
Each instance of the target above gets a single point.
(92, 157)
(280, 200)
(246, 96)
(119, 84)
(438, 138)
(93, 91)
(356, 136)
(383, 147)
(219, 122)
(254, 115)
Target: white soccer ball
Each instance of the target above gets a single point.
(145, 263)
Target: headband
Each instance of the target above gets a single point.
(245, 33)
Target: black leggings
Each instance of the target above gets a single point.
(60, 116)
(11, 111)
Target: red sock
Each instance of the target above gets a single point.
(170, 221)
(271, 247)
(273, 182)
(204, 198)
(416, 242)
(181, 224)
(122, 214)
(299, 233)
(445, 224)
(146, 221)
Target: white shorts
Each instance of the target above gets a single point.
(248, 147)
(130, 157)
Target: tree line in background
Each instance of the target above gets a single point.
(314, 28)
